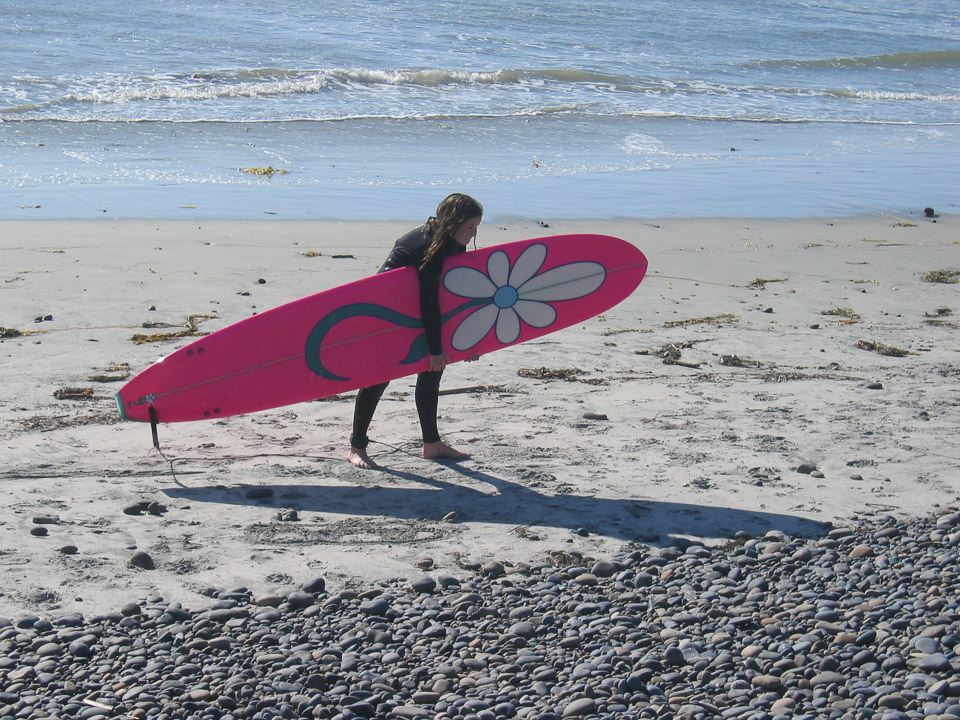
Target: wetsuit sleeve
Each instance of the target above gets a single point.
(410, 251)
(430, 303)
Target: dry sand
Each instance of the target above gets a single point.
(637, 448)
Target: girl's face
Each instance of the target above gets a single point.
(467, 231)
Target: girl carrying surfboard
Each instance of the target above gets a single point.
(426, 247)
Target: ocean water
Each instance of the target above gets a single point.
(575, 108)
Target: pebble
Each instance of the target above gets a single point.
(862, 623)
(142, 560)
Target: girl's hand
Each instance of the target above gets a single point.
(439, 362)
(473, 357)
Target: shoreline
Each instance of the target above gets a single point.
(703, 446)
(636, 166)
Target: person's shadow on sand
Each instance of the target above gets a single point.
(508, 503)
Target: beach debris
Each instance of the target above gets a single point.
(904, 224)
(39, 531)
(9, 333)
(474, 390)
(723, 319)
(45, 423)
(73, 393)
(671, 352)
(191, 329)
(311, 254)
(107, 378)
(948, 277)
(847, 314)
(882, 349)
(43, 318)
(267, 172)
(938, 316)
(565, 374)
(523, 531)
(761, 283)
(737, 361)
(608, 333)
(780, 376)
(121, 371)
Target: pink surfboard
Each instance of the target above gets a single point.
(370, 331)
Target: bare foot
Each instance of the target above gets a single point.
(441, 451)
(358, 458)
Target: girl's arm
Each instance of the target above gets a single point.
(429, 277)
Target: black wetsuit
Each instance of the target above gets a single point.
(409, 251)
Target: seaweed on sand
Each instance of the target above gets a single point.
(723, 319)
(882, 349)
(565, 374)
(847, 314)
(760, 283)
(737, 361)
(671, 352)
(72, 393)
(267, 172)
(120, 371)
(948, 277)
(191, 329)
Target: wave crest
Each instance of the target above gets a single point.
(911, 60)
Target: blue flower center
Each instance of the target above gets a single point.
(505, 297)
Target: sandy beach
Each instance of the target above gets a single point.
(766, 376)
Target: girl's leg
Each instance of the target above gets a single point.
(428, 396)
(428, 399)
(366, 405)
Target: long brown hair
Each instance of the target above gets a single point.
(452, 212)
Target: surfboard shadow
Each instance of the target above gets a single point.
(504, 502)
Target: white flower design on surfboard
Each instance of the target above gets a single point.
(517, 294)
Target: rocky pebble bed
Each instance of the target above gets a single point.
(862, 622)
